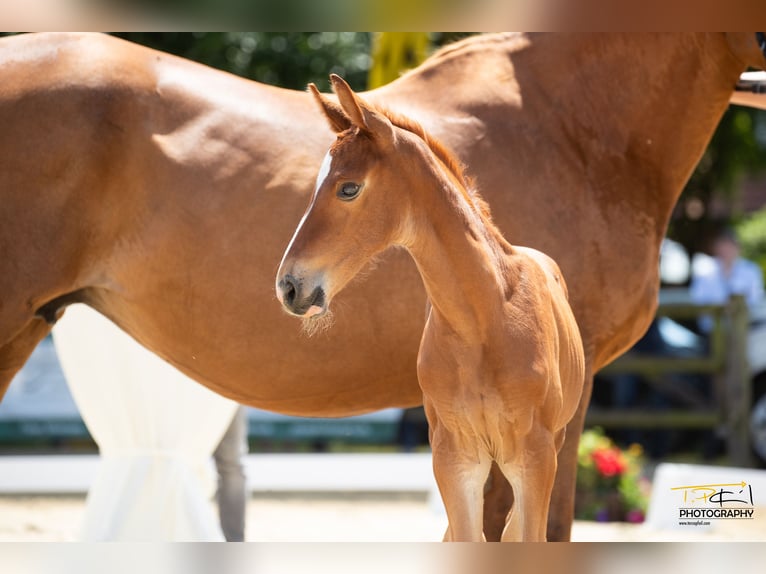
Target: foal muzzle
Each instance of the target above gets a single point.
(294, 298)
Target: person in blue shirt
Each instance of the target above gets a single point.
(715, 280)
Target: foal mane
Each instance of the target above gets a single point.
(447, 158)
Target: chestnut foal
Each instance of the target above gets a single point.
(501, 362)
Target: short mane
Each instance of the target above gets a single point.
(470, 42)
(446, 157)
(466, 46)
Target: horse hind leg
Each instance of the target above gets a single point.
(561, 513)
(15, 352)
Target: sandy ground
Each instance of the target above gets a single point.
(307, 517)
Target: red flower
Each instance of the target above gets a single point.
(634, 516)
(609, 462)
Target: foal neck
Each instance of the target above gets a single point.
(462, 257)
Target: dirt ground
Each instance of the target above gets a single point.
(317, 517)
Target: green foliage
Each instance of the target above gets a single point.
(286, 59)
(738, 148)
(752, 235)
(733, 150)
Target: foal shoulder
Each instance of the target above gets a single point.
(549, 267)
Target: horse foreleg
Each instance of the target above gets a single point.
(561, 513)
(15, 352)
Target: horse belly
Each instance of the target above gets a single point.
(244, 346)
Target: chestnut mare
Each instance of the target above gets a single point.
(501, 363)
(162, 193)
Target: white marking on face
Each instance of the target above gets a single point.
(324, 171)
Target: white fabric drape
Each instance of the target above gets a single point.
(156, 430)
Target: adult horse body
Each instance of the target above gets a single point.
(162, 193)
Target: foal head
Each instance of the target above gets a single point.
(360, 204)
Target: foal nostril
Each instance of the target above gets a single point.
(289, 290)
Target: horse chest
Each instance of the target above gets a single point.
(474, 383)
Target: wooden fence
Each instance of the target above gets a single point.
(725, 363)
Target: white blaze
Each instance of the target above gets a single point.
(324, 171)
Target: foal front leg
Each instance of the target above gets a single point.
(460, 472)
(531, 478)
(498, 501)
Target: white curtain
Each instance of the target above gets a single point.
(156, 430)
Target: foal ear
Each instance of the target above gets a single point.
(338, 120)
(359, 112)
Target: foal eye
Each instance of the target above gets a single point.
(349, 190)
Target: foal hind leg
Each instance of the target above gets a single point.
(15, 352)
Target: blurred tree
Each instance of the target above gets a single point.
(711, 198)
(752, 236)
(286, 59)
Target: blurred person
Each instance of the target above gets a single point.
(716, 279)
(231, 494)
